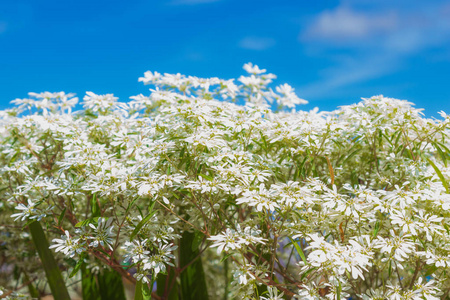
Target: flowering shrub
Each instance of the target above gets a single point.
(202, 190)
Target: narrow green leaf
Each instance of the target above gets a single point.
(441, 153)
(167, 285)
(446, 227)
(263, 139)
(225, 257)
(199, 169)
(192, 279)
(78, 265)
(350, 156)
(430, 271)
(209, 178)
(131, 204)
(225, 269)
(338, 292)
(376, 229)
(307, 272)
(89, 286)
(151, 206)
(142, 292)
(87, 222)
(299, 250)
(141, 224)
(52, 272)
(198, 239)
(140, 211)
(61, 216)
(398, 138)
(441, 177)
(110, 285)
(445, 147)
(31, 288)
(95, 208)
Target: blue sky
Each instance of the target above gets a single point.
(332, 52)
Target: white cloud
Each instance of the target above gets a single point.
(347, 72)
(345, 23)
(371, 43)
(257, 43)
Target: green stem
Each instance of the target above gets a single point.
(31, 288)
(225, 267)
(52, 271)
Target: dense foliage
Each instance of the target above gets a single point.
(220, 189)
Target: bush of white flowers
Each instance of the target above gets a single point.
(221, 189)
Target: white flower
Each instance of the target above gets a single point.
(234, 239)
(400, 244)
(101, 103)
(27, 211)
(226, 241)
(135, 251)
(261, 199)
(272, 294)
(309, 291)
(103, 233)
(68, 245)
(253, 69)
(158, 261)
(288, 98)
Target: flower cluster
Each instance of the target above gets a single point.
(226, 179)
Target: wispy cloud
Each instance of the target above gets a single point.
(347, 72)
(257, 43)
(345, 23)
(192, 2)
(371, 43)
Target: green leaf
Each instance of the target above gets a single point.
(441, 153)
(446, 228)
(61, 216)
(307, 272)
(78, 265)
(198, 239)
(142, 292)
(95, 208)
(31, 288)
(299, 250)
(52, 272)
(430, 271)
(338, 292)
(141, 224)
(87, 222)
(209, 178)
(89, 286)
(263, 139)
(131, 204)
(438, 172)
(110, 285)
(225, 257)
(350, 156)
(192, 279)
(167, 284)
(443, 146)
(376, 229)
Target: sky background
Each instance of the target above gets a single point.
(332, 52)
